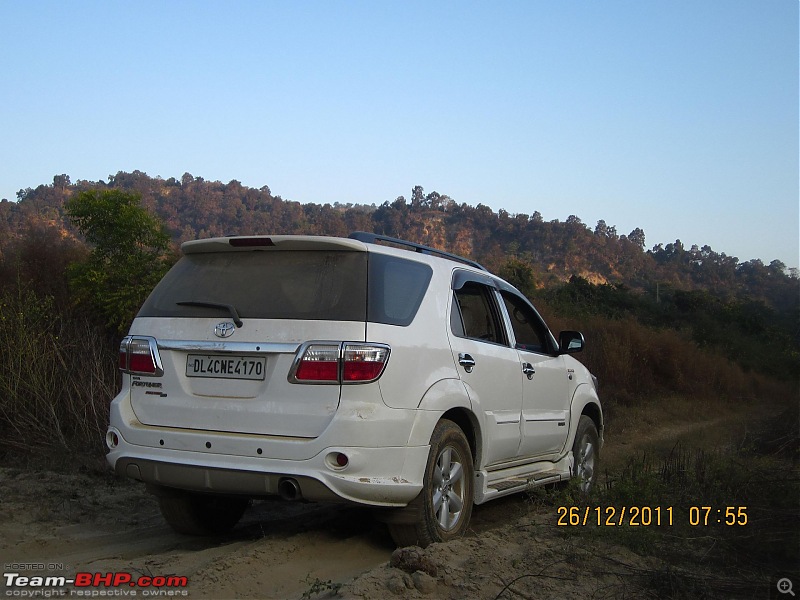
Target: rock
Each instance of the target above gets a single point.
(396, 585)
(424, 582)
(412, 559)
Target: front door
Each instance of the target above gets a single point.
(547, 386)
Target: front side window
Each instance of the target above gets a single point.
(529, 330)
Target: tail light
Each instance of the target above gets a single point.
(319, 363)
(139, 356)
(362, 363)
(345, 362)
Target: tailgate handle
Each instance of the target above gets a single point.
(466, 361)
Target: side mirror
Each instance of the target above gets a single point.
(570, 342)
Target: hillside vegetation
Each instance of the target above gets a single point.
(192, 208)
(661, 322)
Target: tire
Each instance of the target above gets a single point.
(201, 514)
(444, 506)
(586, 455)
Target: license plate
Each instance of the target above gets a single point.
(226, 367)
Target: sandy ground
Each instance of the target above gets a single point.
(87, 523)
(64, 523)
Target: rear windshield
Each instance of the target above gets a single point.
(306, 285)
(312, 285)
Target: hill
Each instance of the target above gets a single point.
(552, 252)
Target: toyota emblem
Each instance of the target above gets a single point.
(224, 329)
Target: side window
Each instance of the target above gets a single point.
(530, 331)
(396, 289)
(475, 314)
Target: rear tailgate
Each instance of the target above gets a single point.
(228, 319)
(240, 386)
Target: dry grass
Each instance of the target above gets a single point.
(58, 376)
(754, 467)
(635, 364)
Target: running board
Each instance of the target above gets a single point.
(495, 484)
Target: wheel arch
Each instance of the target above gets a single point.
(468, 423)
(592, 410)
(448, 399)
(584, 402)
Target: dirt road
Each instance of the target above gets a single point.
(93, 522)
(99, 524)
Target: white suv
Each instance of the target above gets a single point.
(345, 369)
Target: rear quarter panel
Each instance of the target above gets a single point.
(420, 356)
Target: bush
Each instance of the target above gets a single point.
(59, 375)
(634, 362)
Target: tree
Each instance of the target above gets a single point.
(604, 230)
(519, 274)
(574, 220)
(637, 237)
(128, 258)
(417, 197)
(61, 182)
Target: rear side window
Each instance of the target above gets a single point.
(396, 288)
(308, 285)
(478, 314)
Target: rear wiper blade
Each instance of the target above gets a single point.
(237, 320)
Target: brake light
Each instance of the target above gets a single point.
(339, 363)
(319, 363)
(139, 356)
(363, 363)
(244, 242)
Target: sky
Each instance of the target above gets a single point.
(676, 116)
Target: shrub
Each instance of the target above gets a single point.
(58, 375)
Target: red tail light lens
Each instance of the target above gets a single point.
(123, 355)
(339, 363)
(363, 363)
(318, 363)
(139, 356)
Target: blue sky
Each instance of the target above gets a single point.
(676, 116)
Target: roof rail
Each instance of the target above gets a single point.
(372, 238)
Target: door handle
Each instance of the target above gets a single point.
(466, 361)
(528, 369)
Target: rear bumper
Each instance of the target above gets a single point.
(367, 479)
(380, 471)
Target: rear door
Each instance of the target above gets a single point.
(228, 325)
(487, 365)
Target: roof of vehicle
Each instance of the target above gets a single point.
(356, 242)
(374, 238)
(266, 242)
